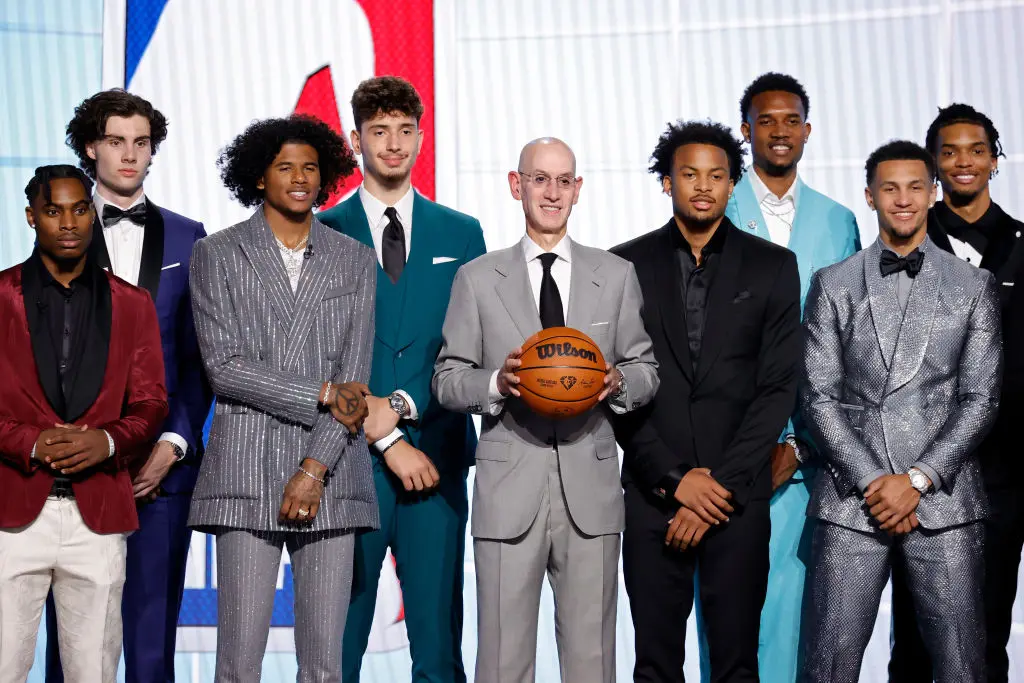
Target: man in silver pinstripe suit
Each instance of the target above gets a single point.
(284, 311)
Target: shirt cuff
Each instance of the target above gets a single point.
(176, 439)
(413, 413)
(497, 401)
(382, 444)
(931, 474)
(110, 443)
(865, 482)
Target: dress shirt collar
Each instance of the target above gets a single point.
(84, 279)
(374, 207)
(531, 250)
(714, 245)
(99, 202)
(762, 193)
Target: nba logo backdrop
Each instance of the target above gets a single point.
(212, 68)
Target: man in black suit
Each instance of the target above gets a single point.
(969, 224)
(723, 310)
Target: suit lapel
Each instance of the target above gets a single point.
(585, 290)
(885, 308)
(515, 291)
(152, 250)
(670, 299)
(417, 269)
(748, 211)
(916, 329)
(98, 246)
(719, 311)
(261, 251)
(316, 272)
(39, 332)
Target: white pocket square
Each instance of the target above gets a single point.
(173, 265)
(596, 324)
(1007, 284)
(443, 259)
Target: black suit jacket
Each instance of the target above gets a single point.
(728, 413)
(1001, 465)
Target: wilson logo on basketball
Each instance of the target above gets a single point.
(566, 350)
(568, 381)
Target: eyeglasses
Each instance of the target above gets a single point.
(540, 180)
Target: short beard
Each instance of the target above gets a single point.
(960, 198)
(698, 223)
(775, 170)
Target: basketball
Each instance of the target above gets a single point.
(562, 373)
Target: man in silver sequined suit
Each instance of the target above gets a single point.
(902, 367)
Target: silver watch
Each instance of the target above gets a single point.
(919, 480)
(801, 457)
(399, 405)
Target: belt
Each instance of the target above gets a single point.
(62, 489)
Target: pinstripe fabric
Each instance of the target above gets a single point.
(267, 351)
(322, 567)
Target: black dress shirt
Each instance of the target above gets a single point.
(66, 315)
(696, 280)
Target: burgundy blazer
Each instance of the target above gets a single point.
(131, 407)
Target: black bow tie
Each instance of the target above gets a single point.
(891, 262)
(112, 214)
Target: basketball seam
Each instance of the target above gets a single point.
(558, 400)
(561, 367)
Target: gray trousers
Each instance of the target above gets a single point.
(583, 573)
(849, 570)
(247, 567)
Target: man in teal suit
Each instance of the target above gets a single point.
(423, 451)
(772, 202)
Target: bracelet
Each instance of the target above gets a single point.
(327, 393)
(311, 476)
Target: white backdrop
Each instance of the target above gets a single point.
(605, 75)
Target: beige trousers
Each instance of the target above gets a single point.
(86, 572)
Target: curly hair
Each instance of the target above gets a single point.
(773, 82)
(40, 182)
(247, 158)
(385, 95)
(899, 150)
(696, 133)
(89, 123)
(962, 113)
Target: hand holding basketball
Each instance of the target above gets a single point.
(612, 382)
(507, 378)
(561, 373)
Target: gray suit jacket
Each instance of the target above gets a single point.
(267, 352)
(883, 391)
(492, 311)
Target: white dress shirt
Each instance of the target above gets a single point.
(964, 251)
(124, 241)
(374, 209)
(124, 248)
(561, 271)
(778, 213)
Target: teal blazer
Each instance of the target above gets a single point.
(824, 232)
(410, 314)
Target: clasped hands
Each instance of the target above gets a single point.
(508, 379)
(347, 403)
(892, 501)
(703, 503)
(70, 449)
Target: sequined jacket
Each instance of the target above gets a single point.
(883, 391)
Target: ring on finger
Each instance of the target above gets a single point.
(303, 512)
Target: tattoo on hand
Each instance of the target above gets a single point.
(346, 400)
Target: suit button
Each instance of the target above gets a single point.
(274, 424)
(885, 409)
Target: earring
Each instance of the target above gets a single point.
(993, 173)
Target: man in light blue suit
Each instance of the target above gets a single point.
(422, 450)
(772, 202)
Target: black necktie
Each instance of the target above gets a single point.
(891, 262)
(394, 245)
(551, 314)
(136, 214)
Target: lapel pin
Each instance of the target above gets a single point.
(752, 225)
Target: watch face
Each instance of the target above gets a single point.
(398, 405)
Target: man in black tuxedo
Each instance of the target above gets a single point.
(969, 224)
(723, 310)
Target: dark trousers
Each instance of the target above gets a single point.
(732, 578)
(154, 582)
(1004, 538)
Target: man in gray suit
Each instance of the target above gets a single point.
(902, 365)
(284, 311)
(547, 496)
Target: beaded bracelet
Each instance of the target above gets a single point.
(311, 476)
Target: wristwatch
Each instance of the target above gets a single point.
(399, 405)
(795, 445)
(919, 480)
(621, 391)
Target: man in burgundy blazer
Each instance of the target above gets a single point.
(82, 399)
